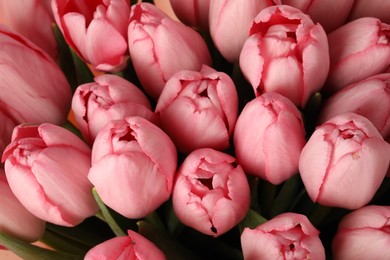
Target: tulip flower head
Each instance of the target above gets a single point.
(193, 13)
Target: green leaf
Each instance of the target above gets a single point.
(252, 220)
(286, 196)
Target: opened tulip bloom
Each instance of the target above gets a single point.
(160, 46)
(369, 98)
(358, 50)
(133, 164)
(131, 247)
(344, 162)
(46, 167)
(286, 236)
(285, 53)
(363, 234)
(211, 192)
(269, 137)
(193, 101)
(15, 219)
(96, 30)
(109, 97)
(193, 13)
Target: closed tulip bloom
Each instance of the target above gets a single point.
(286, 53)
(35, 23)
(375, 8)
(363, 234)
(193, 13)
(160, 46)
(229, 24)
(109, 97)
(46, 167)
(369, 98)
(133, 165)
(358, 50)
(131, 247)
(269, 137)
(33, 88)
(96, 30)
(344, 162)
(211, 192)
(16, 220)
(199, 109)
(286, 236)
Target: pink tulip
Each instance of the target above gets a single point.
(46, 167)
(6, 128)
(369, 98)
(285, 53)
(35, 22)
(160, 46)
(33, 88)
(363, 234)
(16, 220)
(374, 8)
(319, 11)
(344, 162)
(358, 50)
(286, 236)
(109, 97)
(133, 166)
(229, 24)
(269, 137)
(96, 30)
(131, 247)
(193, 13)
(211, 192)
(193, 102)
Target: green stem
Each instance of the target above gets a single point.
(252, 220)
(107, 216)
(267, 197)
(286, 196)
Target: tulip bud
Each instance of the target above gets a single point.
(374, 8)
(363, 234)
(96, 30)
(15, 219)
(286, 236)
(211, 192)
(369, 98)
(133, 246)
(229, 24)
(110, 97)
(160, 46)
(46, 167)
(282, 54)
(194, 101)
(269, 137)
(344, 162)
(358, 50)
(133, 165)
(193, 13)
(33, 88)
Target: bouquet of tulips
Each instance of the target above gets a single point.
(218, 129)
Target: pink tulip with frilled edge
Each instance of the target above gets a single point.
(286, 236)
(211, 192)
(199, 109)
(344, 162)
(15, 219)
(374, 8)
(363, 234)
(358, 50)
(369, 98)
(33, 88)
(46, 167)
(229, 24)
(319, 11)
(133, 166)
(193, 13)
(269, 137)
(35, 23)
(285, 53)
(96, 30)
(131, 247)
(160, 46)
(109, 97)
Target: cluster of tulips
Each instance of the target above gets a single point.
(254, 129)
